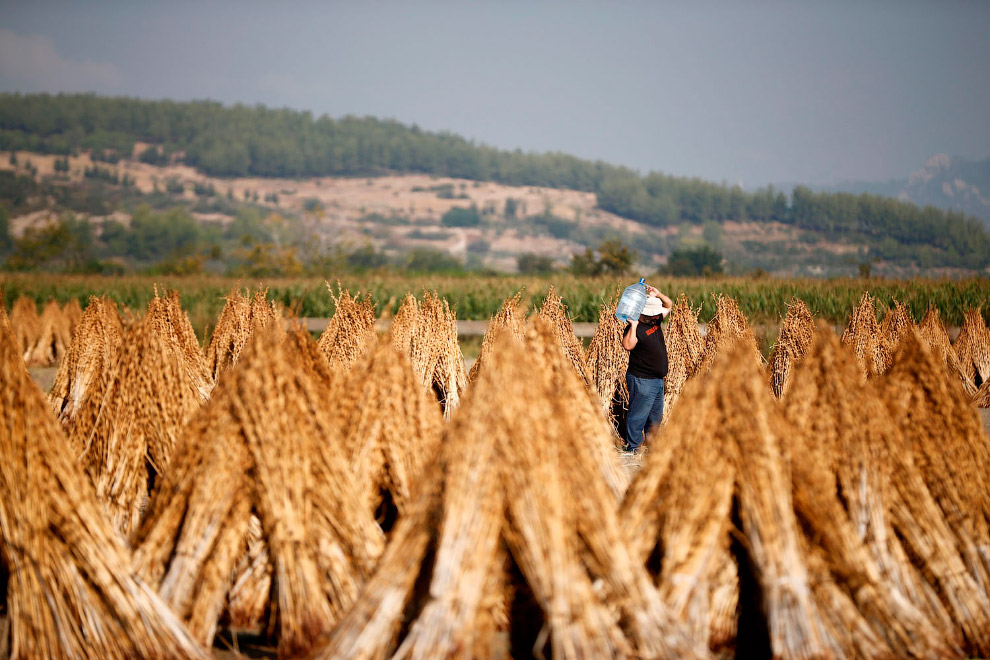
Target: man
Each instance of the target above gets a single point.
(643, 338)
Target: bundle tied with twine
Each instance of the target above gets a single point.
(53, 339)
(862, 333)
(390, 426)
(172, 324)
(607, 360)
(240, 316)
(69, 593)
(554, 312)
(725, 329)
(126, 427)
(933, 331)
(351, 330)
(94, 347)
(265, 443)
(670, 513)
(685, 350)
(508, 318)
(796, 336)
(973, 347)
(25, 323)
(841, 463)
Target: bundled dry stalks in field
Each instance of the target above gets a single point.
(390, 426)
(554, 312)
(982, 397)
(796, 336)
(26, 324)
(91, 354)
(607, 360)
(509, 318)
(896, 322)
(239, 317)
(726, 327)
(53, 339)
(685, 350)
(842, 491)
(933, 331)
(669, 513)
(427, 334)
(265, 443)
(973, 348)
(350, 332)
(125, 428)
(73, 313)
(173, 326)
(70, 593)
(863, 334)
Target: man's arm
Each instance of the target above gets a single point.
(629, 340)
(654, 292)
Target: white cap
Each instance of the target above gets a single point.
(653, 307)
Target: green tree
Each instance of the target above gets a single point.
(461, 217)
(6, 242)
(615, 257)
(692, 262)
(529, 263)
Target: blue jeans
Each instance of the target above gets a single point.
(645, 409)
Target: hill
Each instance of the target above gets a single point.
(367, 183)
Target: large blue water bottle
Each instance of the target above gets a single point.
(632, 301)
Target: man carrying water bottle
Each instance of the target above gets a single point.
(643, 338)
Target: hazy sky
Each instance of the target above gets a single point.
(746, 92)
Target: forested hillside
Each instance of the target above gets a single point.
(257, 141)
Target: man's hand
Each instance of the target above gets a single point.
(653, 292)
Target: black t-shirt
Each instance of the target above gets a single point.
(648, 359)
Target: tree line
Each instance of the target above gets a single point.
(259, 141)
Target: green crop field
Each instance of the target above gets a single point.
(763, 301)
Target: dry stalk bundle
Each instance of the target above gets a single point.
(266, 443)
(509, 318)
(92, 352)
(390, 426)
(239, 317)
(896, 323)
(982, 397)
(554, 312)
(26, 324)
(607, 360)
(933, 331)
(250, 591)
(53, 339)
(126, 427)
(73, 313)
(69, 594)
(769, 525)
(685, 350)
(973, 347)
(946, 437)
(172, 324)
(863, 334)
(726, 327)
(796, 336)
(350, 332)
(670, 512)
(841, 440)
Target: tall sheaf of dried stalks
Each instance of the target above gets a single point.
(73, 313)
(896, 322)
(507, 318)
(54, 337)
(94, 347)
(554, 312)
(171, 323)
(981, 399)
(796, 336)
(350, 332)
(266, 443)
(726, 327)
(25, 323)
(126, 427)
(686, 520)
(862, 333)
(390, 426)
(973, 347)
(607, 360)
(239, 317)
(449, 377)
(69, 594)
(841, 440)
(685, 350)
(933, 331)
